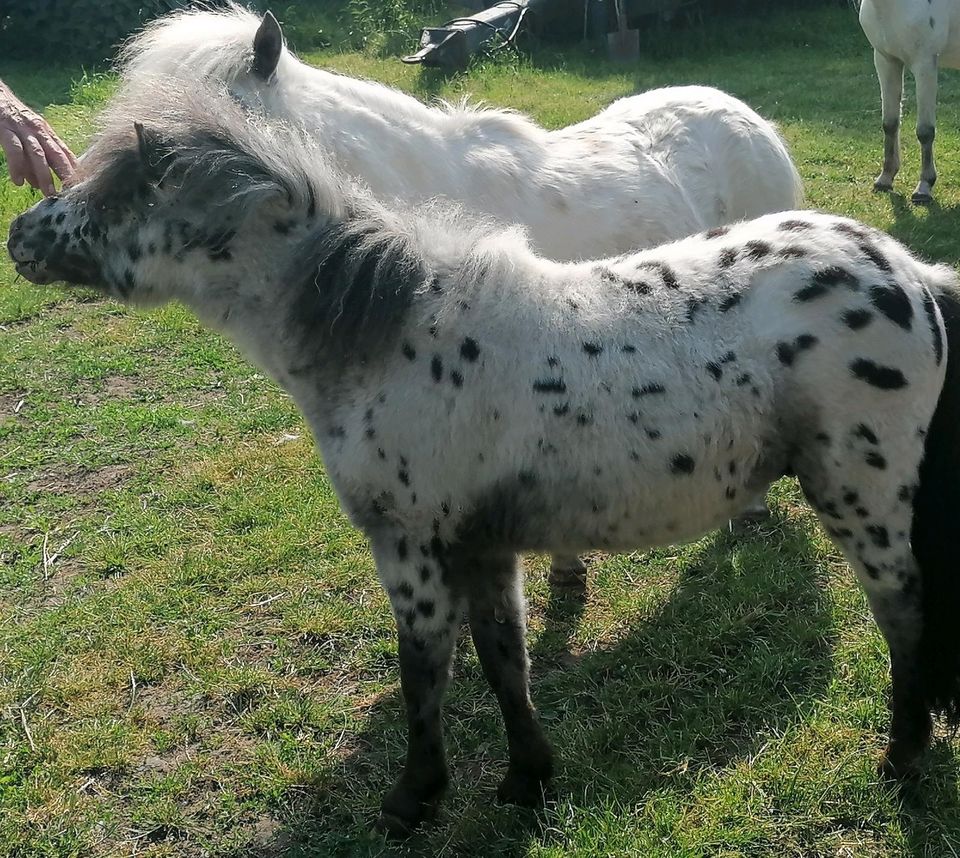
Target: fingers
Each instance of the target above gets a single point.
(13, 149)
(58, 156)
(37, 163)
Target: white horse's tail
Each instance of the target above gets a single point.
(194, 43)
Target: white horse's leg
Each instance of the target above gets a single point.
(568, 572)
(925, 74)
(755, 512)
(890, 74)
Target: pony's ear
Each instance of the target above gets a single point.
(153, 150)
(267, 47)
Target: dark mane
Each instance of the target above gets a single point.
(360, 281)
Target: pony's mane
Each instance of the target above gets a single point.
(211, 149)
(201, 43)
(217, 44)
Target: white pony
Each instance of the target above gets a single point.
(921, 35)
(472, 400)
(649, 168)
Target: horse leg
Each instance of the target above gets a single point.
(868, 516)
(428, 614)
(925, 75)
(890, 74)
(498, 624)
(568, 573)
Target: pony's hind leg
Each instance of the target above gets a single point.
(866, 509)
(925, 75)
(890, 74)
(497, 623)
(568, 573)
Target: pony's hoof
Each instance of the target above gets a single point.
(393, 827)
(921, 198)
(882, 185)
(900, 763)
(572, 580)
(522, 790)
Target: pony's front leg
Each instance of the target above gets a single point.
(925, 75)
(890, 74)
(498, 625)
(428, 614)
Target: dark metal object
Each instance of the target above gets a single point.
(451, 45)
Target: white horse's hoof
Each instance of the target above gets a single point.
(921, 198)
(882, 185)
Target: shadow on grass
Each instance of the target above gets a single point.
(730, 658)
(930, 230)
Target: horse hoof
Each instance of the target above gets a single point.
(882, 186)
(921, 198)
(521, 790)
(393, 827)
(572, 581)
(899, 764)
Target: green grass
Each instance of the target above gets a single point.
(196, 658)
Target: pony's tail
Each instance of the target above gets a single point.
(934, 534)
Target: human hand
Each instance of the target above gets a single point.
(31, 146)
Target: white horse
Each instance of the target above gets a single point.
(472, 400)
(921, 35)
(648, 169)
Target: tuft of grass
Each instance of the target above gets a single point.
(195, 655)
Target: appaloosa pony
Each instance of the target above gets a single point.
(921, 35)
(649, 168)
(472, 400)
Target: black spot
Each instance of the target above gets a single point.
(731, 492)
(682, 463)
(409, 352)
(426, 607)
(856, 319)
(875, 460)
(879, 536)
(929, 309)
(730, 302)
(792, 251)
(561, 410)
(785, 353)
(850, 498)
(404, 477)
(716, 232)
(456, 378)
(404, 589)
(134, 251)
(795, 225)
(756, 249)
(728, 257)
(402, 548)
(648, 390)
(584, 418)
(527, 479)
(653, 434)
(592, 349)
(424, 573)
(874, 255)
(667, 274)
(884, 377)
(628, 349)
(550, 385)
(893, 302)
(743, 379)
(436, 368)
(906, 493)
(864, 431)
(822, 437)
(715, 370)
(469, 350)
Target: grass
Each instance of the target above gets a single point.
(196, 658)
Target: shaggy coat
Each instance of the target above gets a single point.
(472, 400)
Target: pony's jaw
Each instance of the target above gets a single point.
(46, 244)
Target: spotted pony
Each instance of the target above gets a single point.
(472, 400)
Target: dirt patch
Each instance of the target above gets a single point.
(12, 406)
(110, 388)
(83, 481)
